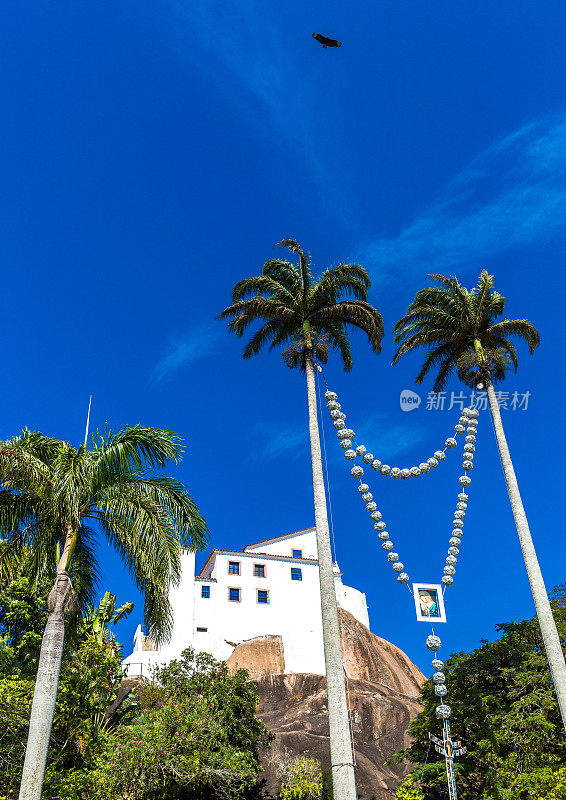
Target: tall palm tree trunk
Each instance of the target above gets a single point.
(546, 621)
(343, 778)
(60, 599)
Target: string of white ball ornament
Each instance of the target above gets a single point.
(468, 424)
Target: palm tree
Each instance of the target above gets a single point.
(459, 329)
(50, 493)
(309, 316)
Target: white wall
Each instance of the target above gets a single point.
(293, 611)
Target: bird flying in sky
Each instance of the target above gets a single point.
(325, 41)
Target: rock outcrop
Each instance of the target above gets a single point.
(383, 685)
(260, 656)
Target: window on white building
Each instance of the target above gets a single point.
(262, 596)
(202, 630)
(233, 568)
(235, 595)
(296, 574)
(205, 591)
(297, 553)
(259, 571)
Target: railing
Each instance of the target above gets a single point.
(138, 670)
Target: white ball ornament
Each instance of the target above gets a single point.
(454, 541)
(383, 535)
(332, 405)
(466, 412)
(350, 455)
(363, 488)
(424, 468)
(403, 577)
(341, 415)
(432, 462)
(463, 420)
(451, 443)
(465, 481)
(376, 516)
(368, 458)
(385, 469)
(451, 561)
(459, 428)
(356, 472)
(459, 514)
(443, 711)
(463, 497)
(457, 523)
(344, 434)
(367, 497)
(339, 424)
(449, 570)
(473, 413)
(440, 455)
(330, 395)
(438, 677)
(335, 414)
(395, 472)
(398, 567)
(415, 472)
(376, 464)
(346, 443)
(379, 526)
(440, 690)
(433, 643)
(470, 438)
(405, 473)
(469, 448)
(387, 546)
(447, 580)
(468, 466)
(457, 533)
(360, 450)
(461, 506)
(453, 551)
(392, 557)
(350, 433)
(437, 664)
(371, 506)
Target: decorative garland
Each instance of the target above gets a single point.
(467, 423)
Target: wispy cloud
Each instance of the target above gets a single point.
(388, 440)
(275, 439)
(197, 343)
(513, 193)
(244, 39)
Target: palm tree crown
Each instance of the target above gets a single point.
(459, 328)
(51, 493)
(306, 313)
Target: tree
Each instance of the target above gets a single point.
(459, 329)
(307, 314)
(196, 738)
(87, 704)
(506, 713)
(50, 493)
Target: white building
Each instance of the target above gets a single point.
(270, 587)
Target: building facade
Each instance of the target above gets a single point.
(268, 588)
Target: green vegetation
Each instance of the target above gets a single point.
(505, 711)
(51, 495)
(190, 734)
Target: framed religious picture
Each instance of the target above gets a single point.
(429, 602)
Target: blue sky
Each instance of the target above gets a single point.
(153, 153)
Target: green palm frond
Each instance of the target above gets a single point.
(452, 323)
(52, 490)
(302, 314)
